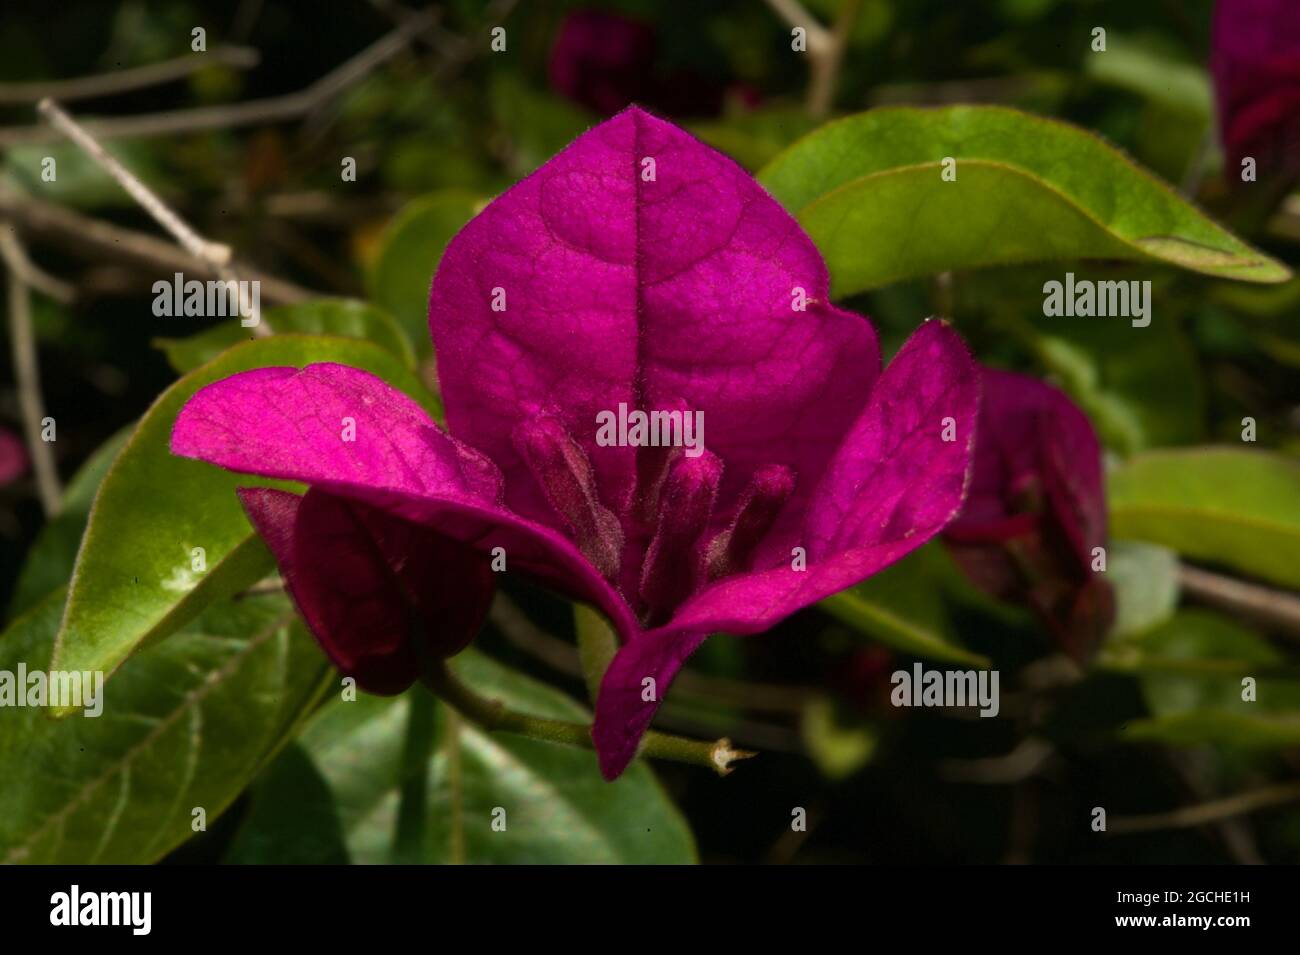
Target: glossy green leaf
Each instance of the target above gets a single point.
(902, 608)
(292, 819)
(409, 253)
(134, 579)
(185, 724)
(49, 562)
(1221, 505)
(345, 318)
(557, 807)
(868, 189)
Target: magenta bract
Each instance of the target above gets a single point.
(13, 457)
(1256, 64)
(602, 60)
(1037, 509)
(638, 268)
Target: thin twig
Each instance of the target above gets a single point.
(215, 254)
(27, 374)
(124, 81)
(97, 239)
(229, 116)
(1193, 767)
(795, 15)
(1206, 812)
(490, 714)
(1276, 608)
(191, 241)
(826, 64)
(455, 786)
(825, 47)
(36, 278)
(561, 656)
(1026, 760)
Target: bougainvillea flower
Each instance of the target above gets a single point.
(602, 60)
(1037, 509)
(637, 268)
(1256, 64)
(13, 457)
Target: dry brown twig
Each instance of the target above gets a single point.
(27, 373)
(95, 239)
(825, 47)
(1275, 608)
(214, 254)
(230, 116)
(1251, 801)
(102, 85)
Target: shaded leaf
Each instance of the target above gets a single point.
(49, 562)
(1124, 380)
(902, 608)
(409, 253)
(292, 819)
(185, 724)
(558, 809)
(755, 137)
(1191, 670)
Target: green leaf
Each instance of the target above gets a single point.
(755, 137)
(1191, 670)
(1123, 381)
(1221, 505)
(1132, 65)
(839, 750)
(409, 253)
(185, 724)
(346, 318)
(1145, 580)
(78, 179)
(869, 192)
(49, 562)
(532, 124)
(292, 819)
(134, 580)
(558, 809)
(901, 608)
(1218, 727)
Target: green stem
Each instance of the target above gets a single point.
(493, 715)
(455, 786)
(408, 835)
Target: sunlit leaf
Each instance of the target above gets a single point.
(869, 191)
